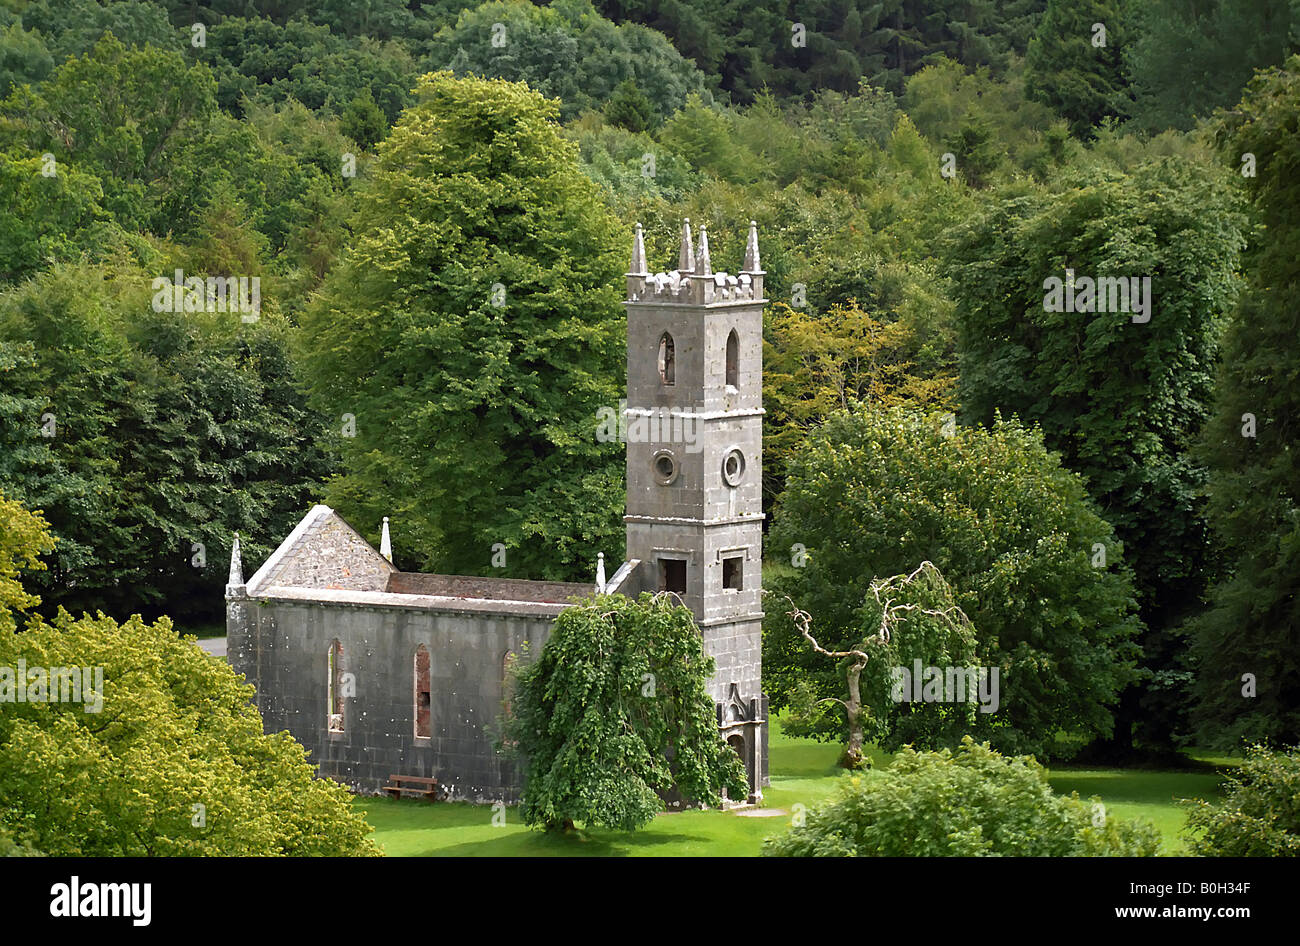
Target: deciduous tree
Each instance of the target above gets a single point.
(875, 492)
(471, 334)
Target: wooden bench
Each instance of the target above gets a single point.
(418, 785)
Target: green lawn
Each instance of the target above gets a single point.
(1129, 793)
(202, 631)
(803, 773)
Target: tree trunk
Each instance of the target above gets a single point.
(853, 755)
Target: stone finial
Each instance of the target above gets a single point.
(600, 572)
(638, 267)
(751, 251)
(235, 583)
(386, 543)
(686, 256)
(703, 265)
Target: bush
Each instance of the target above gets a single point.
(973, 802)
(11, 848)
(123, 740)
(1260, 813)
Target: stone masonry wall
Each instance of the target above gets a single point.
(284, 650)
(330, 554)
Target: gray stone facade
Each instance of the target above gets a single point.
(695, 461)
(286, 646)
(328, 631)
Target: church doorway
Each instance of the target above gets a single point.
(738, 745)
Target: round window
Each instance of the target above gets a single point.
(733, 467)
(665, 467)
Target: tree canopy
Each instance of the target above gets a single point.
(472, 332)
(875, 493)
(153, 749)
(1248, 683)
(614, 713)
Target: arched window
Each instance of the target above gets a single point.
(507, 681)
(733, 359)
(667, 359)
(422, 696)
(336, 687)
(508, 688)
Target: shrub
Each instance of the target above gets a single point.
(1260, 813)
(972, 802)
(173, 763)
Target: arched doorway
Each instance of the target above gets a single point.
(740, 746)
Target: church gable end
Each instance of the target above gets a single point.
(324, 552)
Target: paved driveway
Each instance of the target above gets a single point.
(216, 646)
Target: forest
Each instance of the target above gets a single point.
(1118, 518)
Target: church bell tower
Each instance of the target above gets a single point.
(694, 422)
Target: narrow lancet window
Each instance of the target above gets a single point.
(422, 695)
(733, 359)
(667, 359)
(336, 687)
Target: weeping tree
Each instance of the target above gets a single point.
(909, 620)
(614, 713)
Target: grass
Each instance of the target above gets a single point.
(202, 631)
(803, 772)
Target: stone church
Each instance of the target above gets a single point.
(379, 671)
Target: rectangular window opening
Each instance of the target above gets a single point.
(672, 575)
(733, 570)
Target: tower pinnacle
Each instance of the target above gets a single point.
(752, 264)
(703, 265)
(638, 255)
(686, 255)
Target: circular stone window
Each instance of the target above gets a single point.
(733, 467)
(664, 465)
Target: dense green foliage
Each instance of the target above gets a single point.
(1259, 815)
(815, 364)
(1249, 681)
(967, 803)
(876, 493)
(136, 135)
(1186, 58)
(1128, 432)
(1121, 395)
(565, 51)
(613, 712)
(162, 755)
(472, 332)
(23, 537)
(755, 45)
(256, 59)
(917, 168)
(1074, 62)
(148, 438)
